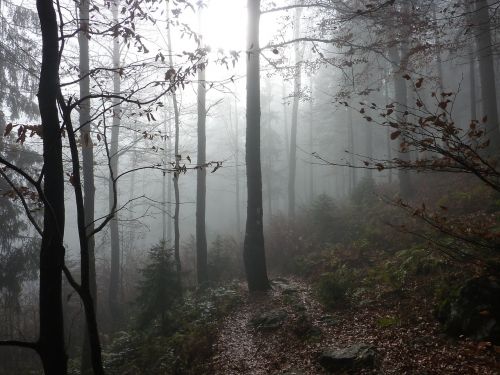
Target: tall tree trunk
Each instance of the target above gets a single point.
(285, 123)
(166, 186)
(311, 143)
(487, 72)
(254, 256)
(292, 168)
(51, 341)
(164, 191)
(114, 277)
(472, 85)
(237, 171)
(439, 61)
(405, 187)
(169, 182)
(269, 162)
(201, 182)
(350, 142)
(88, 168)
(389, 146)
(177, 256)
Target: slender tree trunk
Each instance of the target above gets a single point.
(350, 142)
(389, 147)
(269, 193)
(311, 143)
(177, 256)
(285, 124)
(405, 187)
(269, 161)
(472, 85)
(439, 61)
(253, 250)
(131, 234)
(164, 192)
(51, 340)
(487, 72)
(88, 167)
(114, 277)
(201, 183)
(292, 168)
(169, 182)
(369, 147)
(237, 171)
(85, 289)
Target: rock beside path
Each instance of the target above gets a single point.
(354, 357)
(269, 320)
(475, 311)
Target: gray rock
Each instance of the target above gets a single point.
(354, 357)
(269, 320)
(474, 311)
(328, 320)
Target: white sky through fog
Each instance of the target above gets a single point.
(224, 24)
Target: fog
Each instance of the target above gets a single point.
(196, 187)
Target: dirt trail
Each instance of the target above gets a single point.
(283, 332)
(285, 342)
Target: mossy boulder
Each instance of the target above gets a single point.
(474, 310)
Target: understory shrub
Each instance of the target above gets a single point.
(333, 288)
(182, 344)
(224, 259)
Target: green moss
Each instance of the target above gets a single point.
(388, 321)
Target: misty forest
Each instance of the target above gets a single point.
(249, 187)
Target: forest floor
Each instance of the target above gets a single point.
(284, 332)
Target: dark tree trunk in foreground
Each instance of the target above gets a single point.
(487, 72)
(201, 185)
(51, 341)
(253, 249)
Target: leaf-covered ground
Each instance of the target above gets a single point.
(283, 332)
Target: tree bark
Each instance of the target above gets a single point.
(201, 184)
(311, 142)
(389, 146)
(114, 277)
(350, 142)
(487, 72)
(268, 171)
(51, 340)
(285, 123)
(85, 289)
(88, 168)
(253, 249)
(177, 256)
(237, 171)
(405, 187)
(292, 168)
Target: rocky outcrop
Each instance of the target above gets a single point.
(474, 311)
